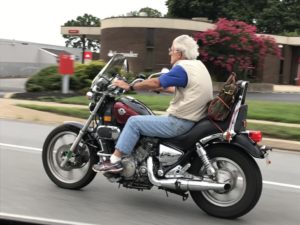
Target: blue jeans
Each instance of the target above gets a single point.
(150, 126)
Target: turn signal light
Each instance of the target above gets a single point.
(255, 135)
(107, 118)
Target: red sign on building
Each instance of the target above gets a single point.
(88, 55)
(66, 64)
(73, 31)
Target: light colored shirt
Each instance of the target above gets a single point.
(191, 102)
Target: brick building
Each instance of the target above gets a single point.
(150, 38)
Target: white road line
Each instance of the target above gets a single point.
(32, 219)
(39, 149)
(281, 184)
(20, 147)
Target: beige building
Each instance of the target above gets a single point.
(150, 39)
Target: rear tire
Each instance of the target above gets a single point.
(55, 147)
(246, 182)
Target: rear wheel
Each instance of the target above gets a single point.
(77, 172)
(243, 174)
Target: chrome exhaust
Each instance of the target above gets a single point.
(182, 184)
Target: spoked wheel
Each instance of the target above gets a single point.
(242, 173)
(77, 172)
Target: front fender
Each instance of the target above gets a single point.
(74, 124)
(79, 126)
(88, 136)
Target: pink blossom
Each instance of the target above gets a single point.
(236, 45)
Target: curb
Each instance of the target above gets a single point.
(282, 144)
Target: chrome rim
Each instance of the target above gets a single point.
(228, 172)
(57, 150)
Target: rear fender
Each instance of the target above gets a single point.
(243, 142)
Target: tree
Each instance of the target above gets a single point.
(270, 16)
(245, 10)
(86, 20)
(280, 17)
(149, 11)
(233, 46)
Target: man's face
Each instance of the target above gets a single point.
(175, 55)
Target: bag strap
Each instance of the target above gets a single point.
(232, 78)
(224, 103)
(216, 125)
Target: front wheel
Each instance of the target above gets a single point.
(77, 172)
(241, 171)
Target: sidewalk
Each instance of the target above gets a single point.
(9, 110)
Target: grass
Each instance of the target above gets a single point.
(274, 131)
(259, 110)
(274, 111)
(155, 102)
(79, 100)
(281, 132)
(159, 102)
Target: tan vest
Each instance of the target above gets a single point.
(190, 103)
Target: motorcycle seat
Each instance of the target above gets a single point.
(203, 128)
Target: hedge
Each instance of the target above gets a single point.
(48, 79)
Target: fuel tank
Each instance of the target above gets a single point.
(128, 106)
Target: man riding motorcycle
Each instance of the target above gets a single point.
(189, 80)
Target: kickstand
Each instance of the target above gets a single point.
(167, 194)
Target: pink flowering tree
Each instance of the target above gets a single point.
(233, 46)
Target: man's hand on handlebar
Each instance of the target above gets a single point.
(121, 84)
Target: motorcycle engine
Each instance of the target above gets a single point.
(135, 164)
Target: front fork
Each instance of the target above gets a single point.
(82, 132)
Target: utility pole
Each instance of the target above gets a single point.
(83, 48)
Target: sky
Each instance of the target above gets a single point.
(40, 20)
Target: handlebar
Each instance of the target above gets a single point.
(136, 81)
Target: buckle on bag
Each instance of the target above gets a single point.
(229, 92)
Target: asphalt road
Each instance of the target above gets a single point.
(25, 190)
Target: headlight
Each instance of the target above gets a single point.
(89, 95)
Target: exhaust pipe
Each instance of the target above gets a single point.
(182, 184)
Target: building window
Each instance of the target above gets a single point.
(150, 37)
(149, 60)
(149, 49)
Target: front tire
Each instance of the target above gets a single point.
(245, 178)
(78, 172)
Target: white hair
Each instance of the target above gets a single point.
(187, 45)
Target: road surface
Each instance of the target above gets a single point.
(25, 190)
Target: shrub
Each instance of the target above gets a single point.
(48, 79)
(233, 46)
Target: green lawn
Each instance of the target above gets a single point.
(259, 110)
(274, 111)
(281, 132)
(268, 130)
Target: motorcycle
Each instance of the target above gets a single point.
(214, 161)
